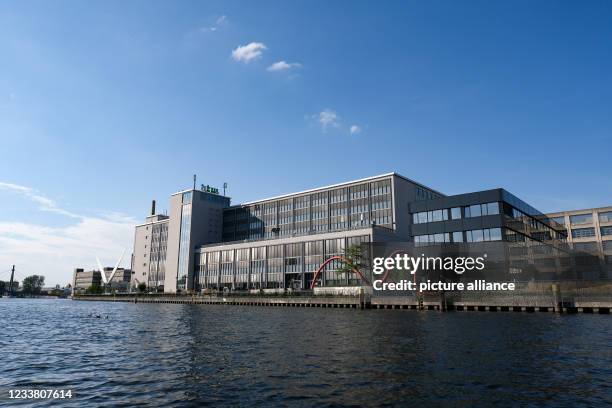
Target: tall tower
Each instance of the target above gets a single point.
(196, 218)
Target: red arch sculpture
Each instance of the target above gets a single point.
(386, 275)
(341, 258)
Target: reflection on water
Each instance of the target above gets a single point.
(184, 355)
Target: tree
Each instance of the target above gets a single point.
(94, 289)
(3, 286)
(33, 284)
(354, 255)
(142, 287)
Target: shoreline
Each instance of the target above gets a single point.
(442, 303)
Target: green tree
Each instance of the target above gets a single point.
(3, 286)
(33, 284)
(142, 287)
(94, 289)
(355, 256)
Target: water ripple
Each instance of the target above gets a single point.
(204, 355)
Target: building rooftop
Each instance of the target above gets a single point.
(337, 185)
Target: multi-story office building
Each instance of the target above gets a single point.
(83, 279)
(279, 242)
(270, 243)
(164, 246)
(589, 230)
(536, 244)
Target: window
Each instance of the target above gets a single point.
(607, 246)
(583, 232)
(441, 238)
(581, 219)
(487, 234)
(606, 230)
(478, 210)
(605, 216)
(473, 211)
(455, 213)
(586, 246)
(559, 220)
(474, 236)
(458, 236)
(421, 240)
(492, 209)
(430, 216)
(496, 234)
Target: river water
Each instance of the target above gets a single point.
(206, 355)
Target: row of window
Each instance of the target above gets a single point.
(477, 210)
(478, 235)
(590, 232)
(530, 226)
(425, 194)
(273, 259)
(584, 218)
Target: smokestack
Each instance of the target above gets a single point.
(153, 207)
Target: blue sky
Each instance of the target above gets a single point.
(106, 105)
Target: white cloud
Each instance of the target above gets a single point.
(327, 118)
(54, 252)
(45, 204)
(283, 66)
(219, 22)
(249, 52)
(355, 130)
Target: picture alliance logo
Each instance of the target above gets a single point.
(404, 262)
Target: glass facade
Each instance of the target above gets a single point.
(184, 242)
(477, 210)
(538, 228)
(157, 260)
(483, 235)
(335, 209)
(289, 265)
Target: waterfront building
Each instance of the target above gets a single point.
(589, 230)
(164, 246)
(82, 279)
(536, 244)
(279, 242)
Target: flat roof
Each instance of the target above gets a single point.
(584, 210)
(153, 222)
(337, 185)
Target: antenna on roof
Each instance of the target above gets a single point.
(224, 187)
(194, 181)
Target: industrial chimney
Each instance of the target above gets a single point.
(153, 207)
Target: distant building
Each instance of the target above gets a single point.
(589, 230)
(83, 279)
